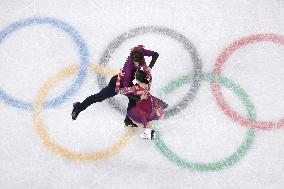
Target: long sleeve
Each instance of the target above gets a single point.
(129, 68)
(129, 71)
(153, 54)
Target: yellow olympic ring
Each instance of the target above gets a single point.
(49, 142)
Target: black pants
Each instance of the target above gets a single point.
(105, 93)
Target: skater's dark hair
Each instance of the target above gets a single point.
(141, 76)
(137, 55)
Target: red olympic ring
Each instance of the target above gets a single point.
(216, 90)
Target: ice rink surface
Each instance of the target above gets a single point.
(221, 64)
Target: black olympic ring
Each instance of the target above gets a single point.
(197, 65)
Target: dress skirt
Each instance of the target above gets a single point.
(147, 110)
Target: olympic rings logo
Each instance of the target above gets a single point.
(215, 78)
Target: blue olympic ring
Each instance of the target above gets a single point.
(84, 60)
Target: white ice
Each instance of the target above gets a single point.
(200, 133)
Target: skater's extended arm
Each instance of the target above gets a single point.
(153, 54)
(130, 69)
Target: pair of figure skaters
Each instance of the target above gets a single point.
(142, 106)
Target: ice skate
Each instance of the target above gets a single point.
(76, 110)
(148, 134)
(129, 123)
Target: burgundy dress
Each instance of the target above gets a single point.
(147, 109)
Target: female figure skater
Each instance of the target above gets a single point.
(148, 108)
(135, 61)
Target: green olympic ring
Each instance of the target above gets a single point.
(220, 164)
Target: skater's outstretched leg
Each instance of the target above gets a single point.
(107, 92)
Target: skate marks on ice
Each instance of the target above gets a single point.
(196, 78)
(76, 38)
(227, 161)
(47, 139)
(216, 90)
(187, 45)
